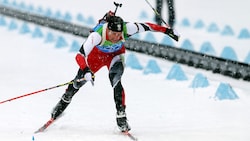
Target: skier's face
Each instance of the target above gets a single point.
(114, 36)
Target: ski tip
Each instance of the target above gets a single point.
(125, 132)
(38, 131)
(132, 137)
(45, 126)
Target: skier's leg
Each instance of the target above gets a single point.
(68, 95)
(115, 74)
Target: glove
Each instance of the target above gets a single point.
(169, 31)
(172, 33)
(82, 77)
(89, 76)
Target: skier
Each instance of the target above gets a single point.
(105, 47)
(171, 12)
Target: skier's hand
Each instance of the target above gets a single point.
(169, 31)
(172, 33)
(89, 76)
(83, 76)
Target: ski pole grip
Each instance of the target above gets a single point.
(82, 79)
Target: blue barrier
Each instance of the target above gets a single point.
(40, 10)
(75, 46)
(67, 17)
(225, 92)
(166, 41)
(48, 13)
(49, 38)
(185, 22)
(213, 27)
(133, 62)
(24, 28)
(152, 67)
(176, 73)
(61, 42)
(58, 15)
(199, 24)
(5, 2)
(229, 53)
(80, 18)
(22, 6)
(136, 36)
(244, 34)
(199, 81)
(90, 20)
(37, 33)
(187, 45)
(30, 8)
(2, 21)
(227, 31)
(143, 15)
(12, 25)
(247, 59)
(207, 48)
(150, 37)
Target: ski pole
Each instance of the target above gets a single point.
(169, 31)
(8, 100)
(32, 93)
(156, 12)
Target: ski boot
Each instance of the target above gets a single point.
(121, 120)
(59, 108)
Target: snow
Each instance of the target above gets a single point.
(158, 109)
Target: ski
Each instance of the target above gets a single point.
(132, 137)
(45, 126)
(49, 122)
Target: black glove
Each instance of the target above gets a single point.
(172, 33)
(169, 31)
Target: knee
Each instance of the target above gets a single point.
(69, 93)
(115, 73)
(77, 85)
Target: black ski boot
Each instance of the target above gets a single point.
(59, 108)
(121, 120)
(64, 102)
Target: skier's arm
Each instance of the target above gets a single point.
(93, 39)
(133, 28)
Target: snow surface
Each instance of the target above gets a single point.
(157, 109)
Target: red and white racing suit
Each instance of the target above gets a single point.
(97, 52)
